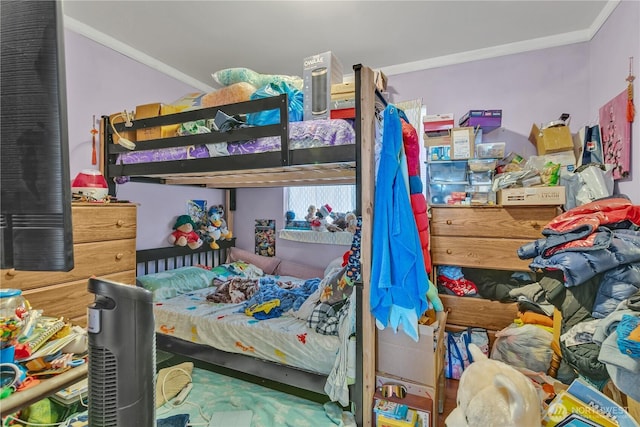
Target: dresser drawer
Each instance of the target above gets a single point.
(93, 223)
(96, 258)
(70, 300)
(478, 252)
(512, 222)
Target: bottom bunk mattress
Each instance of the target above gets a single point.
(285, 339)
(306, 134)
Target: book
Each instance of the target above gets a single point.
(389, 409)
(565, 404)
(409, 420)
(593, 398)
(46, 329)
(72, 393)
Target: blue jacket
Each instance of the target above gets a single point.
(399, 282)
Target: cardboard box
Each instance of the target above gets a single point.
(462, 143)
(400, 356)
(488, 120)
(148, 111)
(342, 91)
(566, 159)
(318, 74)
(532, 196)
(439, 152)
(127, 134)
(438, 122)
(551, 140)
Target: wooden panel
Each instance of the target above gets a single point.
(508, 222)
(478, 252)
(96, 258)
(470, 311)
(70, 300)
(92, 223)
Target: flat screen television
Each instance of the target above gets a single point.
(35, 189)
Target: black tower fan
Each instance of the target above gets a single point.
(121, 356)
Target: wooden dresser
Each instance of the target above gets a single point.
(483, 237)
(104, 237)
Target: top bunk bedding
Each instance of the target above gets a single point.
(236, 155)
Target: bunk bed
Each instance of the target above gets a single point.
(329, 165)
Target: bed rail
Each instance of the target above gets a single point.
(162, 259)
(310, 166)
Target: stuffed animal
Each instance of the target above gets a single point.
(494, 394)
(311, 213)
(321, 221)
(352, 222)
(184, 234)
(217, 227)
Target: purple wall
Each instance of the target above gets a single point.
(529, 87)
(609, 53)
(101, 81)
(537, 86)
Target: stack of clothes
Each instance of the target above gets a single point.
(590, 265)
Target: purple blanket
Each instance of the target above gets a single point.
(307, 134)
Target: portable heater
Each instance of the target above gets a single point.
(121, 356)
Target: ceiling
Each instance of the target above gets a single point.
(192, 39)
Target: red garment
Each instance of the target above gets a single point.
(191, 236)
(594, 214)
(418, 202)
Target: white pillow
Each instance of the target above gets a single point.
(333, 265)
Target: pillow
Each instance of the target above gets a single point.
(296, 269)
(333, 265)
(229, 76)
(228, 95)
(267, 264)
(171, 283)
(334, 287)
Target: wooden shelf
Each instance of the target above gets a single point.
(45, 388)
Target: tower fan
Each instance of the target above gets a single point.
(121, 356)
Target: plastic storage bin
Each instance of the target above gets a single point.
(448, 171)
(480, 178)
(482, 165)
(447, 193)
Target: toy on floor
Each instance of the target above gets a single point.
(493, 394)
(184, 234)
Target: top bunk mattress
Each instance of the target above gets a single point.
(302, 135)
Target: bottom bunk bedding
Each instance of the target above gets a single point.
(284, 339)
(237, 309)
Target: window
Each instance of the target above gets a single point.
(341, 198)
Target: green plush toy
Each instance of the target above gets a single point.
(230, 76)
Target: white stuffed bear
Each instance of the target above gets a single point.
(494, 394)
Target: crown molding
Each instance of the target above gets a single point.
(123, 48)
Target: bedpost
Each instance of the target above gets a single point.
(365, 327)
